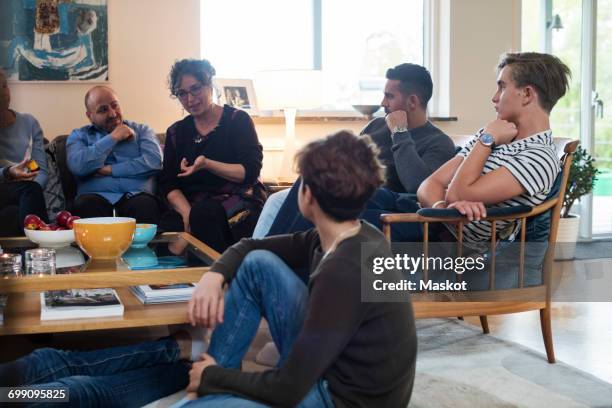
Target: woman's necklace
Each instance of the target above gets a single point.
(340, 237)
(202, 136)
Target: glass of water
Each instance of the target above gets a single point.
(10, 265)
(40, 261)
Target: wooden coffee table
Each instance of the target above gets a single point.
(22, 312)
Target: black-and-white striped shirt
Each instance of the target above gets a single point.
(534, 164)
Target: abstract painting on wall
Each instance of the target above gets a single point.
(54, 40)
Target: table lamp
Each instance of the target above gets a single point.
(289, 90)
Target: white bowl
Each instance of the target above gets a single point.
(50, 239)
(68, 256)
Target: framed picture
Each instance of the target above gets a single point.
(237, 93)
(54, 40)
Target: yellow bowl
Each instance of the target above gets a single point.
(104, 237)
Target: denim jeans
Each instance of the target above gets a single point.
(289, 219)
(269, 212)
(385, 201)
(266, 287)
(129, 376)
(27, 196)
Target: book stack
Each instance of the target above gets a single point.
(151, 294)
(79, 303)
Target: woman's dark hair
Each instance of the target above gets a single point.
(342, 172)
(201, 70)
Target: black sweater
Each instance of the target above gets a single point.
(366, 351)
(410, 156)
(234, 140)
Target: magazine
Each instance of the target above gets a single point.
(150, 294)
(79, 303)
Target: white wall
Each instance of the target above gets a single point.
(480, 31)
(145, 37)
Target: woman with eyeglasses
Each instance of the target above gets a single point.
(212, 161)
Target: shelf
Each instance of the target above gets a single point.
(279, 120)
(22, 316)
(93, 279)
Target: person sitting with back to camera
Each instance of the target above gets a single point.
(362, 354)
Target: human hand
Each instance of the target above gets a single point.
(473, 210)
(397, 120)
(105, 170)
(502, 131)
(206, 305)
(187, 170)
(20, 172)
(122, 132)
(195, 374)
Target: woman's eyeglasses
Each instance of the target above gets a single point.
(194, 91)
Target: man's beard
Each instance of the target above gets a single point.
(111, 125)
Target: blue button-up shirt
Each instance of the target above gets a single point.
(134, 162)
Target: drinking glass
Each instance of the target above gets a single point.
(10, 265)
(40, 261)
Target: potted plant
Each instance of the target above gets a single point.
(582, 177)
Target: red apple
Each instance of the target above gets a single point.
(62, 218)
(32, 222)
(71, 220)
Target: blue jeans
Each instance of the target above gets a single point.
(266, 287)
(129, 376)
(269, 212)
(289, 219)
(385, 201)
(27, 196)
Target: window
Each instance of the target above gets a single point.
(350, 43)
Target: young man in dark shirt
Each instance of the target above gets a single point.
(410, 147)
(336, 350)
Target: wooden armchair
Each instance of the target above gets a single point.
(502, 301)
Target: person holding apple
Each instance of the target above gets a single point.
(23, 164)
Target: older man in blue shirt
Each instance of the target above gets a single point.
(114, 161)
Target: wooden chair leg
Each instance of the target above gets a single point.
(545, 322)
(484, 322)
(460, 317)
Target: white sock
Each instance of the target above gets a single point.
(268, 355)
(199, 342)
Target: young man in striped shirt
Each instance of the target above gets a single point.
(512, 160)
